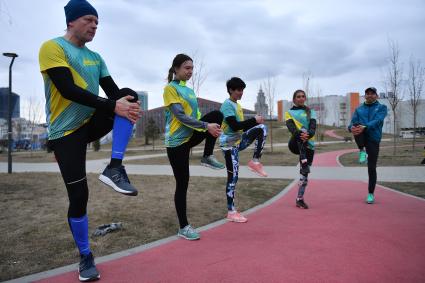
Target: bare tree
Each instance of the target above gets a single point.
(4, 13)
(415, 85)
(270, 92)
(393, 80)
(35, 112)
(199, 75)
(307, 78)
(320, 115)
(151, 131)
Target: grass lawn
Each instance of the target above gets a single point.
(34, 210)
(416, 189)
(405, 156)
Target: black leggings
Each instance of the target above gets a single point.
(301, 149)
(372, 150)
(70, 153)
(179, 161)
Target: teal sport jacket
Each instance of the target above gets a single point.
(372, 116)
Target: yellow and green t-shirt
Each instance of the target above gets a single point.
(299, 116)
(177, 133)
(229, 137)
(87, 68)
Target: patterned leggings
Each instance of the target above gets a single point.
(231, 155)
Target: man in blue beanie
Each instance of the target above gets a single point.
(76, 116)
(366, 126)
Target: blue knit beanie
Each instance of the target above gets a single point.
(78, 8)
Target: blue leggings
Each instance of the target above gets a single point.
(231, 155)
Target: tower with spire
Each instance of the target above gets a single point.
(261, 106)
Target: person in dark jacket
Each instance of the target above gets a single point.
(366, 127)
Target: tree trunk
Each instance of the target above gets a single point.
(414, 130)
(271, 135)
(395, 133)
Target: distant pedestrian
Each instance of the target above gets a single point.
(423, 154)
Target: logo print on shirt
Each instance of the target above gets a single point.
(88, 62)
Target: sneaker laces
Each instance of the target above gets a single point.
(212, 159)
(189, 230)
(121, 176)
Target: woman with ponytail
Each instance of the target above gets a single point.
(301, 122)
(184, 129)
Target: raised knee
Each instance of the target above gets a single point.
(128, 91)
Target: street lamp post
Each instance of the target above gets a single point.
(9, 104)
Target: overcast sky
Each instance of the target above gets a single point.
(343, 44)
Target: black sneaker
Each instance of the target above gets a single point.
(305, 169)
(87, 269)
(301, 204)
(117, 179)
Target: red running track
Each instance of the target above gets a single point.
(340, 239)
(332, 134)
(330, 159)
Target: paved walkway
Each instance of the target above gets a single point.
(340, 239)
(326, 166)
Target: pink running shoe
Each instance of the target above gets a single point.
(257, 168)
(235, 216)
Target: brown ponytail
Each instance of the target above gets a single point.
(170, 74)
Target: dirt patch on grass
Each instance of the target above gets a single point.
(416, 189)
(34, 215)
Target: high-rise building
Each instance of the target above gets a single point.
(280, 111)
(261, 106)
(282, 107)
(4, 111)
(143, 98)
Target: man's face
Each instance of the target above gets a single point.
(236, 94)
(370, 97)
(84, 28)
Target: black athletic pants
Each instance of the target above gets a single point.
(301, 149)
(179, 161)
(372, 150)
(70, 153)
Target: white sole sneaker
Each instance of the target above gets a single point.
(209, 166)
(111, 184)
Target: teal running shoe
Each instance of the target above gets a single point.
(212, 162)
(370, 199)
(188, 233)
(362, 157)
